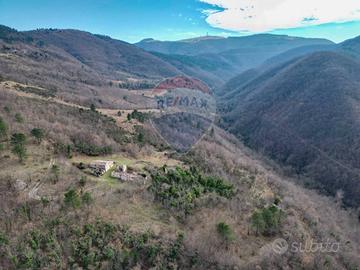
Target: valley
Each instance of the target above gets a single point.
(272, 165)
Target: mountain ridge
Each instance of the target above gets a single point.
(229, 43)
(314, 98)
(115, 53)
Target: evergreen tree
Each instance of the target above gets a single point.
(55, 171)
(7, 109)
(92, 108)
(140, 137)
(87, 198)
(212, 132)
(267, 220)
(19, 118)
(69, 151)
(72, 198)
(258, 222)
(38, 133)
(3, 129)
(225, 232)
(18, 141)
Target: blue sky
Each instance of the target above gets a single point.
(133, 20)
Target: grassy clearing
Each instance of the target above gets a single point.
(108, 178)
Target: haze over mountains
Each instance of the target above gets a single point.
(352, 46)
(214, 45)
(223, 58)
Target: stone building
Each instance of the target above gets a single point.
(101, 166)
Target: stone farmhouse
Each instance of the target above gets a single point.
(100, 167)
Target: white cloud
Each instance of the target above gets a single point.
(209, 12)
(267, 15)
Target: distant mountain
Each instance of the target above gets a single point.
(248, 75)
(304, 114)
(211, 68)
(216, 59)
(297, 52)
(205, 45)
(197, 39)
(352, 46)
(239, 81)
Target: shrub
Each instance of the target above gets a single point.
(277, 201)
(38, 250)
(63, 244)
(180, 188)
(86, 198)
(90, 149)
(19, 118)
(7, 109)
(267, 220)
(48, 93)
(140, 138)
(82, 181)
(176, 247)
(3, 239)
(72, 198)
(68, 151)
(136, 85)
(45, 201)
(25, 210)
(55, 171)
(225, 232)
(141, 117)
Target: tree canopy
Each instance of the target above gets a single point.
(17, 142)
(38, 133)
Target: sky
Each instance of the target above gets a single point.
(133, 20)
